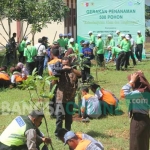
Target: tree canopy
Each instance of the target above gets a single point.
(147, 12)
(35, 12)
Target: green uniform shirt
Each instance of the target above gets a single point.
(29, 53)
(119, 39)
(140, 40)
(22, 46)
(61, 42)
(107, 43)
(66, 41)
(100, 46)
(75, 47)
(112, 43)
(92, 39)
(116, 50)
(125, 45)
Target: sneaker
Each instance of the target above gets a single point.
(86, 120)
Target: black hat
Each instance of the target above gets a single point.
(61, 132)
(36, 113)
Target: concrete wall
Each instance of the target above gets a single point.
(48, 32)
(70, 27)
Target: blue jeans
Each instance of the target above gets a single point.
(109, 55)
(46, 61)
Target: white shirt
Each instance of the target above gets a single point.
(41, 49)
(132, 42)
(98, 94)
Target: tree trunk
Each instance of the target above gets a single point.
(3, 26)
(33, 34)
(9, 28)
(26, 30)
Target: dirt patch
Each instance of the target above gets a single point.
(76, 117)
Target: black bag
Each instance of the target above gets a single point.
(57, 69)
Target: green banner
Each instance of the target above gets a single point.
(107, 16)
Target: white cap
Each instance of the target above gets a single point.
(99, 35)
(25, 37)
(109, 35)
(108, 46)
(122, 35)
(138, 31)
(117, 31)
(71, 40)
(28, 42)
(127, 37)
(90, 32)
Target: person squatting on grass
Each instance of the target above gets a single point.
(23, 133)
(24, 70)
(137, 91)
(90, 106)
(81, 142)
(4, 77)
(107, 99)
(80, 135)
(16, 77)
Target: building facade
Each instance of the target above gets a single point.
(70, 20)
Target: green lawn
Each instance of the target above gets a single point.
(112, 131)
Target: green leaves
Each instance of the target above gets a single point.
(35, 13)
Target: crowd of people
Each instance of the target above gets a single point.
(60, 58)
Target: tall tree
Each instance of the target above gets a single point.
(147, 12)
(36, 13)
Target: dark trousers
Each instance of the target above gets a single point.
(138, 51)
(9, 58)
(107, 108)
(120, 60)
(21, 57)
(100, 59)
(52, 103)
(30, 67)
(60, 114)
(5, 147)
(40, 65)
(86, 71)
(131, 53)
(4, 83)
(139, 132)
(126, 60)
(52, 106)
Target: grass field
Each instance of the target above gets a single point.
(112, 131)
